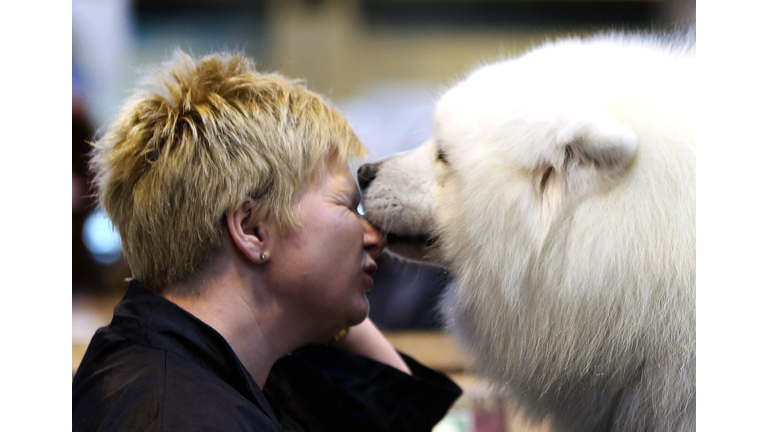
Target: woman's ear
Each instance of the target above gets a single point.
(250, 236)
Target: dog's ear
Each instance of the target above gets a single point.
(601, 144)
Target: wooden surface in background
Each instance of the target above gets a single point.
(431, 348)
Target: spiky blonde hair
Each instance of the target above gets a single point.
(195, 141)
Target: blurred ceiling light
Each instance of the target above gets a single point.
(100, 237)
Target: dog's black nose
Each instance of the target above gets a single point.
(366, 174)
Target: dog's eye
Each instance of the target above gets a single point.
(544, 178)
(441, 156)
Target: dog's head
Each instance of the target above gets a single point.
(487, 154)
(517, 147)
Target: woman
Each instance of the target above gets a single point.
(238, 215)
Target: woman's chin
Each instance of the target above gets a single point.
(359, 312)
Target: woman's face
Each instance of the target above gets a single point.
(326, 265)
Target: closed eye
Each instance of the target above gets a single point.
(356, 204)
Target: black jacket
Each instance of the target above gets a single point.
(156, 367)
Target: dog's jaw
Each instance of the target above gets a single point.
(422, 249)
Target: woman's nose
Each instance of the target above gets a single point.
(374, 239)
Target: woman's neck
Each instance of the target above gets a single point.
(243, 312)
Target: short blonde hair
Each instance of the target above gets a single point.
(194, 142)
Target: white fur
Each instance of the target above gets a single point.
(576, 293)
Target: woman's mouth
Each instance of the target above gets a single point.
(370, 268)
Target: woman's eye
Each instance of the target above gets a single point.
(360, 209)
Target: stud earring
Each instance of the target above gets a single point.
(264, 255)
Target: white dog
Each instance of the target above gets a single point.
(559, 190)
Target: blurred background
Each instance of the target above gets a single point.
(383, 63)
